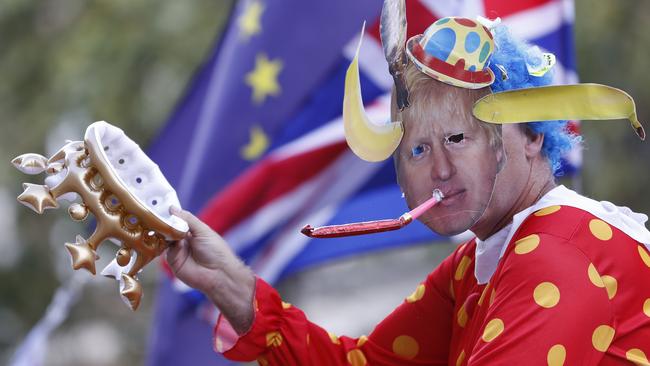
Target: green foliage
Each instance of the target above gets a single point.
(75, 62)
(611, 41)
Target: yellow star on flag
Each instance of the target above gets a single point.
(257, 145)
(249, 20)
(264, 78)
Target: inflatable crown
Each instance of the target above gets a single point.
(124, 190)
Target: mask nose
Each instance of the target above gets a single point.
(442, 167)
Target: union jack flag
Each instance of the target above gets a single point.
(256, 145)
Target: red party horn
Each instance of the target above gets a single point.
(376, 226)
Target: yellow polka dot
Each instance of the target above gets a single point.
(485, 291)
(462, 316)
(462, 268)
(556, 355)
(492, 295)
(405, 346)
(417, 295)
(644, 255)
(263, 361)
(527, 244)
(600, 229)
(362, 340)
(493, 329)
(646, 307)
(547, 210)
(219, 345)
(334, 338)
(637, 356)
(357, 358)
(602, 337)
(451, 290)
(273, 339)
(546, 295)
(611, 285)
(286, 305)
(461, 358)
(594, 276)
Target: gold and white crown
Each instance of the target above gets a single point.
(124, 190)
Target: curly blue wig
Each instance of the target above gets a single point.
(513, 56)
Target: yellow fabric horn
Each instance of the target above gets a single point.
(368, 140)
(559, 102)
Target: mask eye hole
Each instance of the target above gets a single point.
(454, 139)
(419, 150)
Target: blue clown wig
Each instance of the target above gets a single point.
(513, 55)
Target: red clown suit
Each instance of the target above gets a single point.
(571, 287)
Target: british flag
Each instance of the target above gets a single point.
(256, 145)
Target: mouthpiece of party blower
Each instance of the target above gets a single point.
(370, 227)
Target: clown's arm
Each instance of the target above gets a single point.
(282, 335)
(204, 261)
(257, 325)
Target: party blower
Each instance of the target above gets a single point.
(124, 190)
(377, 226)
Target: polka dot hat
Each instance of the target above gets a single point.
(455, 51)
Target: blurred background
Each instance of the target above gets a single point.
(67, 63)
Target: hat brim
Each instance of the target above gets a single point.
(440, 70)
(558, 102)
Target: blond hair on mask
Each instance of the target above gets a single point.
(424, 90)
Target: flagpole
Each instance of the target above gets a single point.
(33, 349)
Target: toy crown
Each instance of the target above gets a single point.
(124, 190)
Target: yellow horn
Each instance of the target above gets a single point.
(558, 102)
(369, 141)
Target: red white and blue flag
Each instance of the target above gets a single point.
(256, 146)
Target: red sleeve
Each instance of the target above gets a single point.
(416, 333)
(550, 306)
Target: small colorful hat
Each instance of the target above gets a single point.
(454, 50)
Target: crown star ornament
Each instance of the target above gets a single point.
(122, 188)
(37, 197)
(83, 256)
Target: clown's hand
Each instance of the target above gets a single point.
(204, 261)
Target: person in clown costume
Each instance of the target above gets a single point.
(551, 278)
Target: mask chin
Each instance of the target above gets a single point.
(480, 212)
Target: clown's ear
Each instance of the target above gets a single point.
(558, 102)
